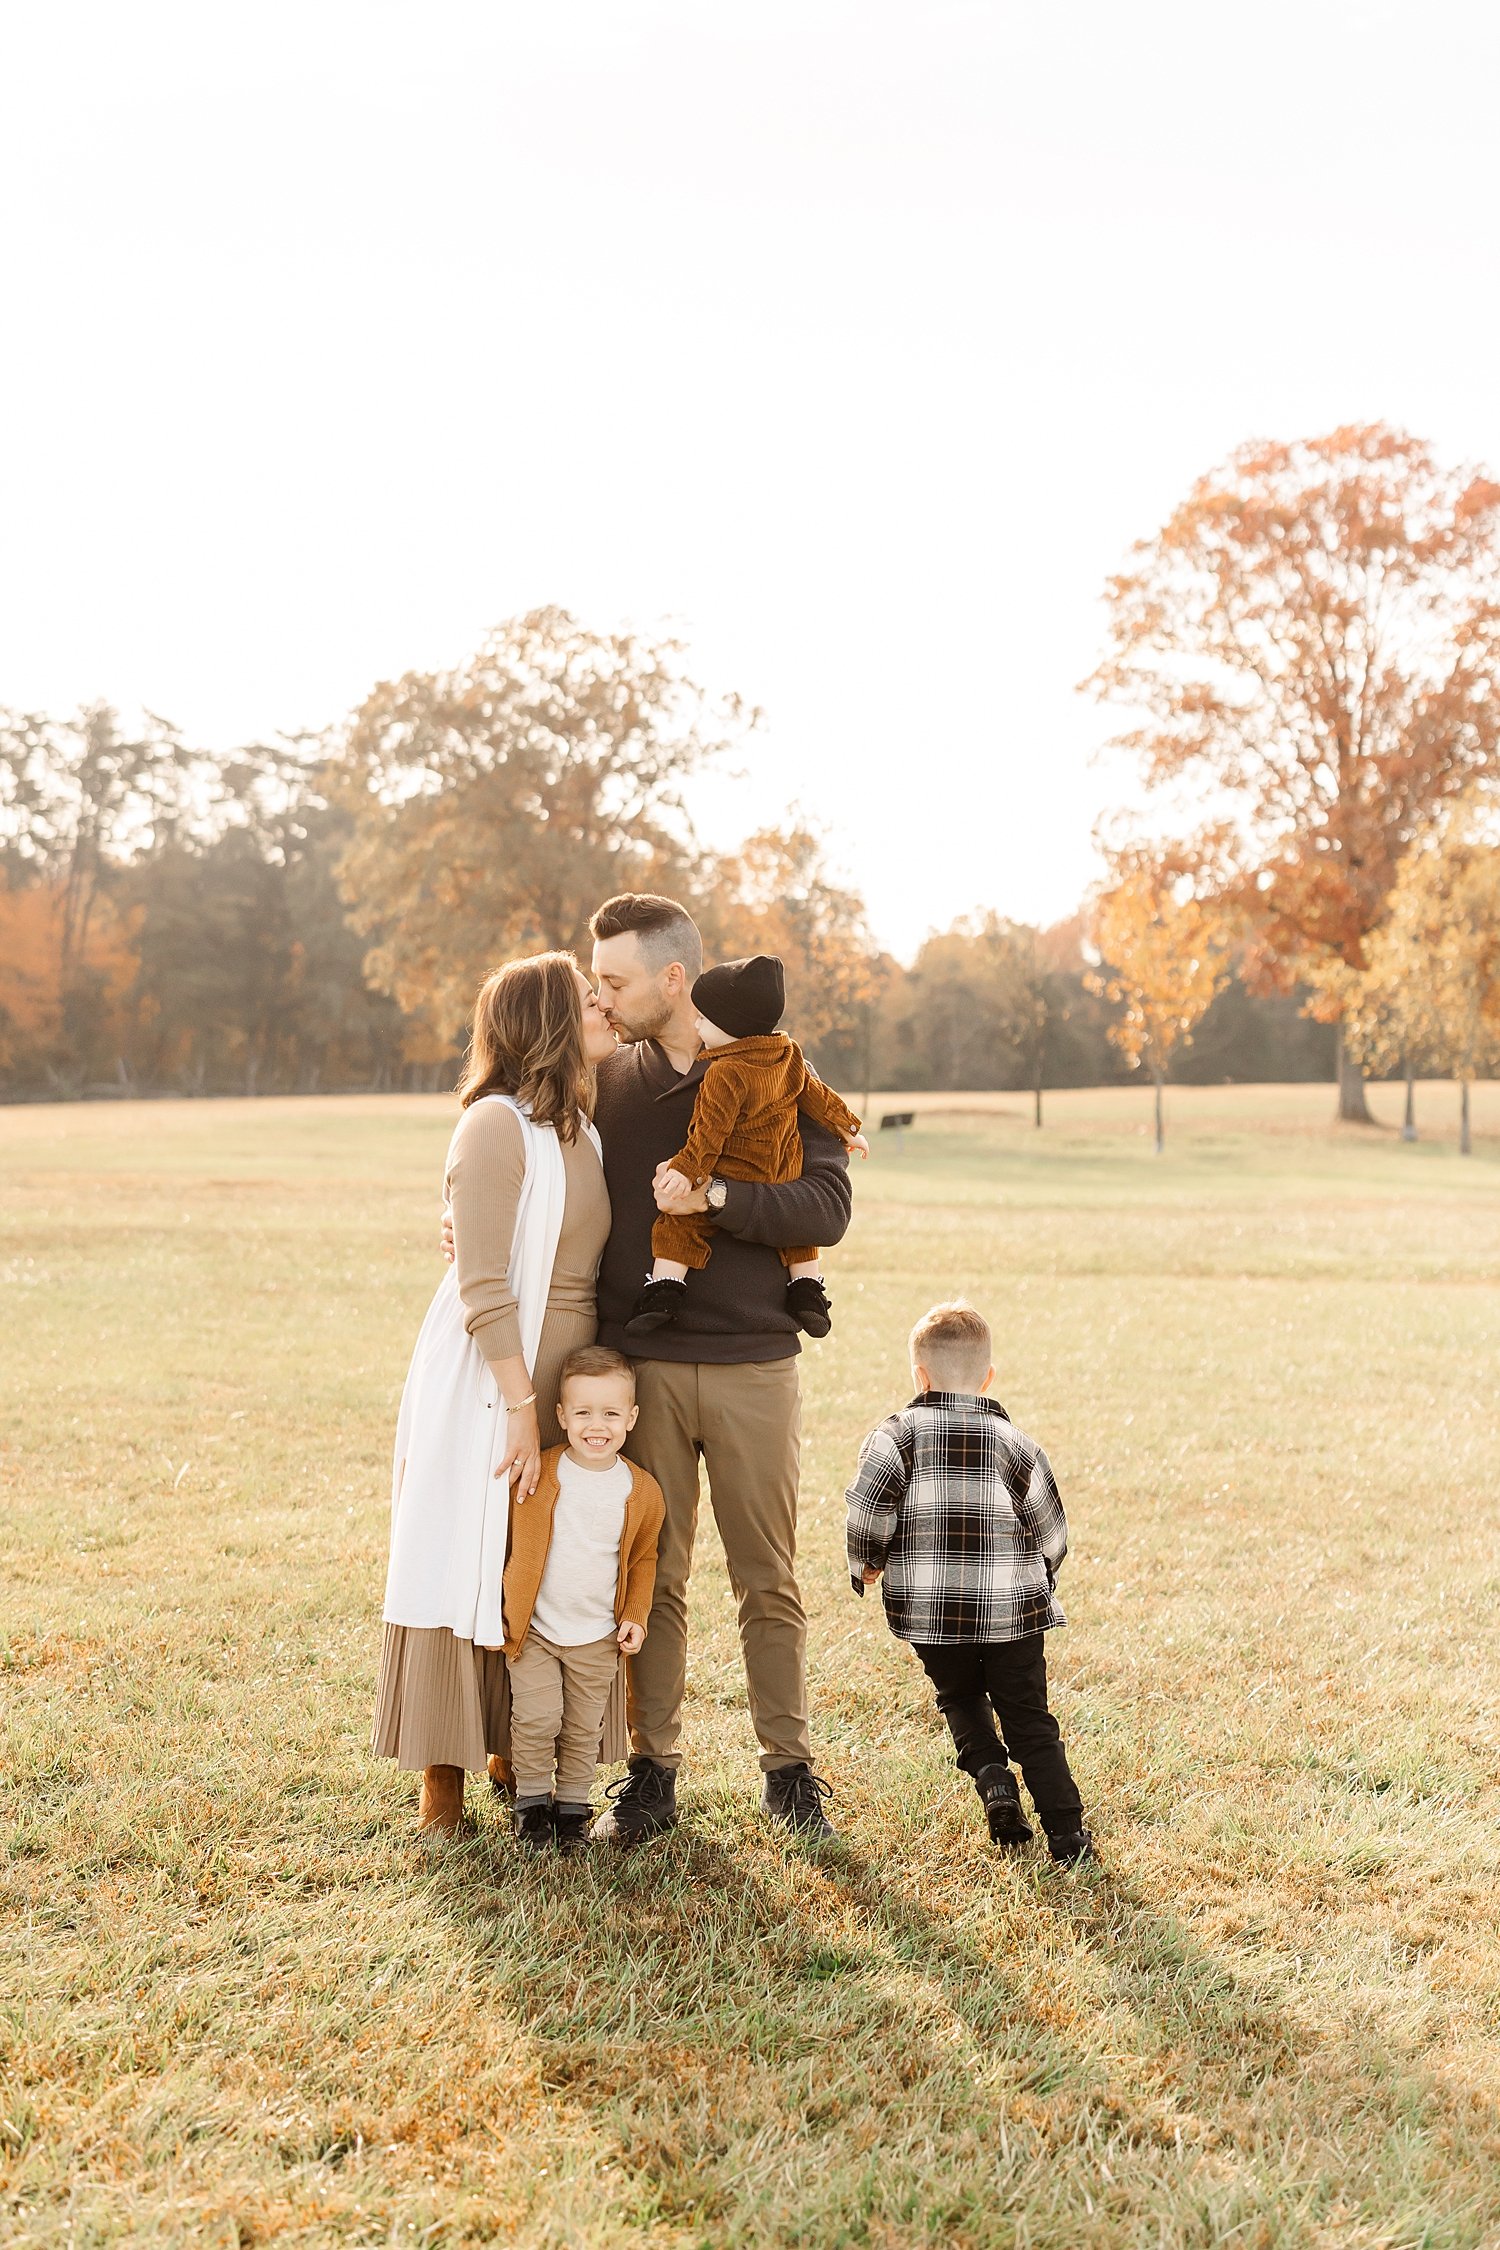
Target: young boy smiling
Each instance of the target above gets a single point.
(578, 1587)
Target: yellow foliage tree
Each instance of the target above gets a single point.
(1164, 954)
(1430, 991)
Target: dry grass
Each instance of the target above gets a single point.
(240, 2004)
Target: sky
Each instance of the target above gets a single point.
(857, 340)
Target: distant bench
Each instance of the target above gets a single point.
(896, 1121)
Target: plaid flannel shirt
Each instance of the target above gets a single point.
(959, 1510)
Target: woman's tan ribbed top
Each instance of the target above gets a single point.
(486, 1166)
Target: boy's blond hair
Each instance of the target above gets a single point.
(594, 1359)
(954, 1344)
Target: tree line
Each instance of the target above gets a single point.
(1310, 646)
(315, 914)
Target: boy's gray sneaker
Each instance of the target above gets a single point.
(793, 1798)
(643, 1804)
(1001, 1800)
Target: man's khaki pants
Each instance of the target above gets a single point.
(744, 1423)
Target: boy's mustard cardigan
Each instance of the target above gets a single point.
(531, 1538)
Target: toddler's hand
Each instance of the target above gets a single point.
(668, 1182)
(630, 1638)
(869, 1576)
(857, 1141)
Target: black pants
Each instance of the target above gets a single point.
(1005, 1680)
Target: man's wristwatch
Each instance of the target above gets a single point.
(716, 1194)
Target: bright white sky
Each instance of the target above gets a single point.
(860, 338)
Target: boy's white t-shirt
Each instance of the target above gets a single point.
(575, 1602)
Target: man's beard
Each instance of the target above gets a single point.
(632, 1033)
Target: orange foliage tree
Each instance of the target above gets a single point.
(1164, 954)
(776, 895)
(494, 806)
(1313, 643)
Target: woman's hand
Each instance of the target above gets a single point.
(445, 1238)
(521, 1461)
(630, 1638)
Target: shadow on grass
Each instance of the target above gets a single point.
(700, 2000)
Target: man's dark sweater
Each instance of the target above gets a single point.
(736, 1307)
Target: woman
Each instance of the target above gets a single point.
(525, 1189)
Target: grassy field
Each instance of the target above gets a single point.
(240, 2004)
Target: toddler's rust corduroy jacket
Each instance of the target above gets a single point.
(531, 1540)
(745, 1115)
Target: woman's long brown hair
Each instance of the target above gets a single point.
(526, 1040)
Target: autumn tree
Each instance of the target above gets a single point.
(493, 807)
(1430, 989)
(776, 894)
(1313, 643)
(1164, 954)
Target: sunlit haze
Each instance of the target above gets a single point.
(860, 341)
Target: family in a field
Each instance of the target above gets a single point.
(636, 1196)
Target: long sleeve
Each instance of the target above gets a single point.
(874, 1502)
(815, 1208)
(827, 1108)
(1042, 1512)
(486, 1168)
(717, 1108)
(640, 1563)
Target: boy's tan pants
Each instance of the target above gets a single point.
(744, 1424)
(557, 1699)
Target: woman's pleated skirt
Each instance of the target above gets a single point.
(439, 1700)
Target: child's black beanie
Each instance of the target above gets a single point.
(743, 997)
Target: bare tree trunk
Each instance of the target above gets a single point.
(1465, 1137)
(1409, 1121)
(1353, 1108)
(1161, 1138)
(1036, 1089)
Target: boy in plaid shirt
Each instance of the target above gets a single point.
(959, 1511)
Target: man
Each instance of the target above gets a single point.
(720, 1385)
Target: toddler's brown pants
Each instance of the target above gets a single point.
(689, 1240)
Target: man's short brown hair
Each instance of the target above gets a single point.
(594, 1359)
(664, 930)
(954, 1344)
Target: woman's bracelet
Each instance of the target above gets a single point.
(520, 1402)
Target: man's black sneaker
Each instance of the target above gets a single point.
(1070, 1845)
(643, 1804)
(809, 1304)
(793, 1797)
(1001, 1800)
(657, 1306)
(571, 1826)
(532, 1826)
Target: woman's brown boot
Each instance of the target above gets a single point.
(441, 1807)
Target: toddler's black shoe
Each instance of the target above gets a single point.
(809, 1304)
(532, 1826)
(1071, 1845)
(657, 1306)
(571, 1825)
(1001, 1800)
